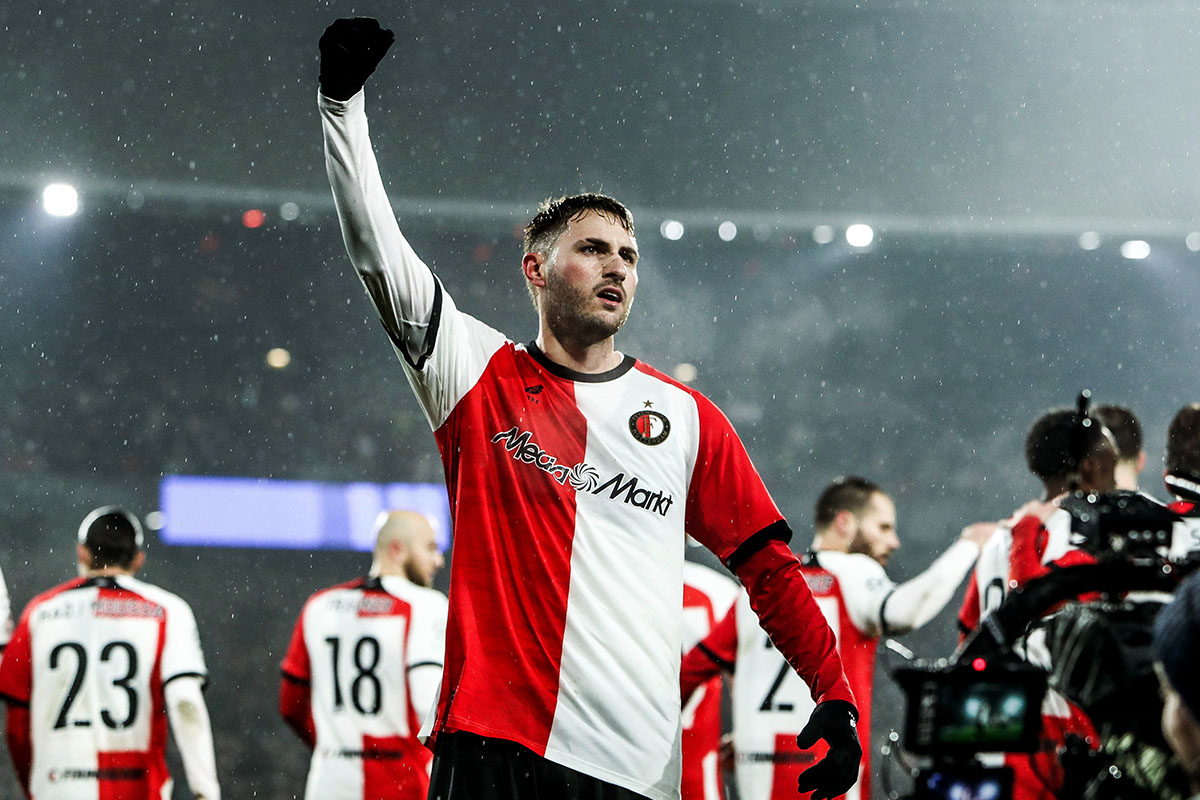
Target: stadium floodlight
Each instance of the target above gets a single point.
(1089, 240)
(671, 229)
(1135, 249)
(727, 230)
(823, 234)
(860, 235)
(60, 200)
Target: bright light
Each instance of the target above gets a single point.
(60, 199)
(1192, 240)
(979, 664)
(1135, 249)
(1089, 240)
(685, 372)
(860, 235)
(289, 211)
(727, 231)
(823, 234)
(253, 218)
(156, 520)
(278, 358)
(671, 229)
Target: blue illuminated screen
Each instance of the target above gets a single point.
(294, 515)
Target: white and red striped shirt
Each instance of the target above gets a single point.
(355, 647)
(570, 494)
(707, 597)
(90, 658)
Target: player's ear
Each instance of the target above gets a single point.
(534, 267)
(83, 556)
(138, 562)
(843, 523)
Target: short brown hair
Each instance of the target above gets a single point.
(555, 213)
(850, 493)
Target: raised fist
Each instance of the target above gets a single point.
(350, 51)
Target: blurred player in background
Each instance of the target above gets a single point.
(94, 670)
(707, 597)
(574, 471)
(1066, 450)
(855, 536)
(1126, 431)
(363, 669)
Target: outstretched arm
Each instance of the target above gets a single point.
(401, 286)
(193, 735)
(917, 601)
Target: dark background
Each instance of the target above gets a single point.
(980, 142)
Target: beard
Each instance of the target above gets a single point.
(571, 319)
(417, 577)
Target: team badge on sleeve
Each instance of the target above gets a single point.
(649, 427)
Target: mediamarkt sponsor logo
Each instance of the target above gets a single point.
(583, 477)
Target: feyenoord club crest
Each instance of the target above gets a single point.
(649, 427)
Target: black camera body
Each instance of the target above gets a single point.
(956, 712)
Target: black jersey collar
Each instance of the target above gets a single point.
(581, 377)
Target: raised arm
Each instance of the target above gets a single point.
(917, 601)
(403, 289)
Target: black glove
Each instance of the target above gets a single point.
(350, 51)
(834, 721)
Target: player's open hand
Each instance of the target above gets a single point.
(350, 51)
(834, 721)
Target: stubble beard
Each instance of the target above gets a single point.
(568, 317)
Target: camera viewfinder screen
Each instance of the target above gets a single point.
(989, 714)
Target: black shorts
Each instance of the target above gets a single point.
(470, 767)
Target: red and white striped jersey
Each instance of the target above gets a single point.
(707, 597)
(771, 704)
(570, 495)
(355, 645)
(90, 659)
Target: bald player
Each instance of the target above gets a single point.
(364, 666)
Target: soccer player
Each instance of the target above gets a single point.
(707, 597)
(1066, 451)
(855, 536)
(363, 667)
(1126, 431)
(94, 671)
(573, 471)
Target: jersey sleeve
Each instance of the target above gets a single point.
(16, 666)
(295, 662)
(182, 654)
(918, 600)
(787, 611)
(727, 502)
(865, 589)
(443, 350)
(427, 634)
